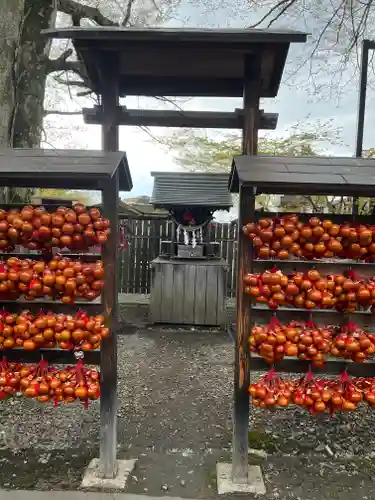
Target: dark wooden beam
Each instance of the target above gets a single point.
(240, 459)
(251, 97)
(242, 350)
(332, 366)
(55, 356)
(110, 194)
(35, 306)
(182, 119)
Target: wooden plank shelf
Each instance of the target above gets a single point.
(304, 217)
(57, 356)
(320, 317)
(85, 257)
(260, 307)
(51, 206)
(250, 176)
(314, 262)
(332, 366)
(107, 172)
(92, 308)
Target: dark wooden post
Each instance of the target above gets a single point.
(251, 105)
(240, 459)
(366, 46)
(108, 365)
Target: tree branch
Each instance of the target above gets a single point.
(60, 63)
(75, 83)
(63, 113)
(128, 12)
(276, 7)
(84, 93)
(79, 11)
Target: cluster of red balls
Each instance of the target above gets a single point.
(314, 395)
(46, 383)
(309, 342)
(343, 292)
(289, 237)
(76, 228)
(48, 330)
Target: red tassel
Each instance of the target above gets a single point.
(310, 376)
(274, 322)
(344, 377)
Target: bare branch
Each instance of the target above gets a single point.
(318, 42)
(76, 83)
(63, 113)
(60, 63)
(311, 201)
(359, 30)
(153, 137)
(339, 31)
(279, 15)
(79, 11)
(157, 8)
(76, 67)
(84, 93)
(128, 12)
(169, 101)
(276, 7)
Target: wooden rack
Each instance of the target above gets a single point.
(91, 170)
(252, 176)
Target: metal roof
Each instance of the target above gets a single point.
(180, 62)
(55, 168)
(304, 175)
(173, 189)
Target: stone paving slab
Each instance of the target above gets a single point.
(73, 495)
(92, 480)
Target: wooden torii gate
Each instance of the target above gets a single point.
(246, 63)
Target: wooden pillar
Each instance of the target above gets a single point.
(251, 105)
(240, 465)
(108, 365)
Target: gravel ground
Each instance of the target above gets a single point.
(175, 395)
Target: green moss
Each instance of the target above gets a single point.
(364, 464)
(259, 440)
(211, 478)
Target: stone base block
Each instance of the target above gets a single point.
(92, 480)
(225, 485)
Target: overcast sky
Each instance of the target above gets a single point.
(297, 101)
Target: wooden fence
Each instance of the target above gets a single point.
(146, 235)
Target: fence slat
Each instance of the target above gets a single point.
(145, 255)
(233, 264)
(134, 266)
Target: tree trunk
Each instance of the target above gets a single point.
(31, 71)
(11, 14)
(27, 83)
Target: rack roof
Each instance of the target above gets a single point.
(173, 189)
(304, 175)
(181, 62)
(54, 168)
